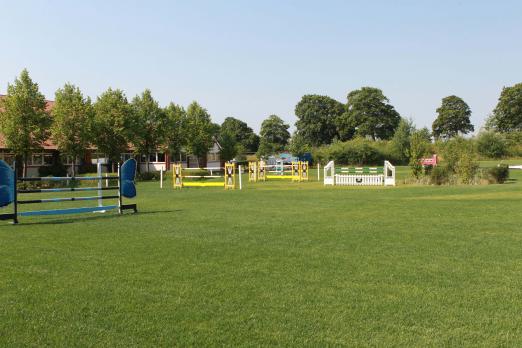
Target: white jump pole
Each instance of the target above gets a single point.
(318, 171)
(240, 180)
(161, 177)
(100, 185)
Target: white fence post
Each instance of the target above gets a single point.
(161, 177)
(100, 185)
(240, 180)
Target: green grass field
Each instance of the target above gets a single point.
(275, 264)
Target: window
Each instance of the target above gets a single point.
(126, 156)
(48, 159)
(152, 157)
(176, 157)
(68, 160)
(161, 157)
(37, 159)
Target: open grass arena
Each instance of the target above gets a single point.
(275, 264)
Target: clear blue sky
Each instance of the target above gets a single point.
(251, 59)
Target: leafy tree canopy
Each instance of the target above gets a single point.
(72, 121)
(241, 132)
(368, 114)
(507, 116)
(24, 121)
(400, 142)
(298, 145)
(230, 147)
(200, 130)
(112, 123)
(176, 129)
(149, 124)
(274, 135)
(453, 118)
(317, 117)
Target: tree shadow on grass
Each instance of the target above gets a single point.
(93, 217)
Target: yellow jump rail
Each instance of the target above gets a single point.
(229, 177)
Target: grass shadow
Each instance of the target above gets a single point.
(91, 218)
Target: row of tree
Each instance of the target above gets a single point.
(368, 114)
(112, 123)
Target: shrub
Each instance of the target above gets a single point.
(147, 176)
(440, 175)
(358, 151)
(57, 169)
(418, 147)
(514, 144)
(499, 174)
(491, 145)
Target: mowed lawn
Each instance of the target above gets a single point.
(275, 264)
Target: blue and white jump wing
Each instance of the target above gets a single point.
(7, 187)
(127, 176)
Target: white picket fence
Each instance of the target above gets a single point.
(359, 180)
(386, 179)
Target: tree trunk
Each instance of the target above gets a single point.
(73, 171)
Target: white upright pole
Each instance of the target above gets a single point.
(318, 171)
(161, 177)
(240, 180)
(100, 185)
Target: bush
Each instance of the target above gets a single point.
(148, 176)
(358, 151)
(514, 144)
(491, 145)
(460, 157)
(440, 175)
(499, 174)
(57, 169)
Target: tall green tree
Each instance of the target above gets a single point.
(418, 147)
(507, 116)
(200, 132)
(241, 132)
(368, 114)
(453, 118)
(400, 142)
(72, 122)
(317, 115)
(298, 145)
(24, 121)
(149, 125)
(176, 132)
(229, 145)
(112, 124)
(274, 135)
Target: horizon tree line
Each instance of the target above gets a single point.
(111, 123)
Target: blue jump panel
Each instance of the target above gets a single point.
(66, 211)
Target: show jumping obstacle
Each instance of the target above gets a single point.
(359, 176)
(430, 161)
(228, 177)
(260, 171)
(9, 192)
